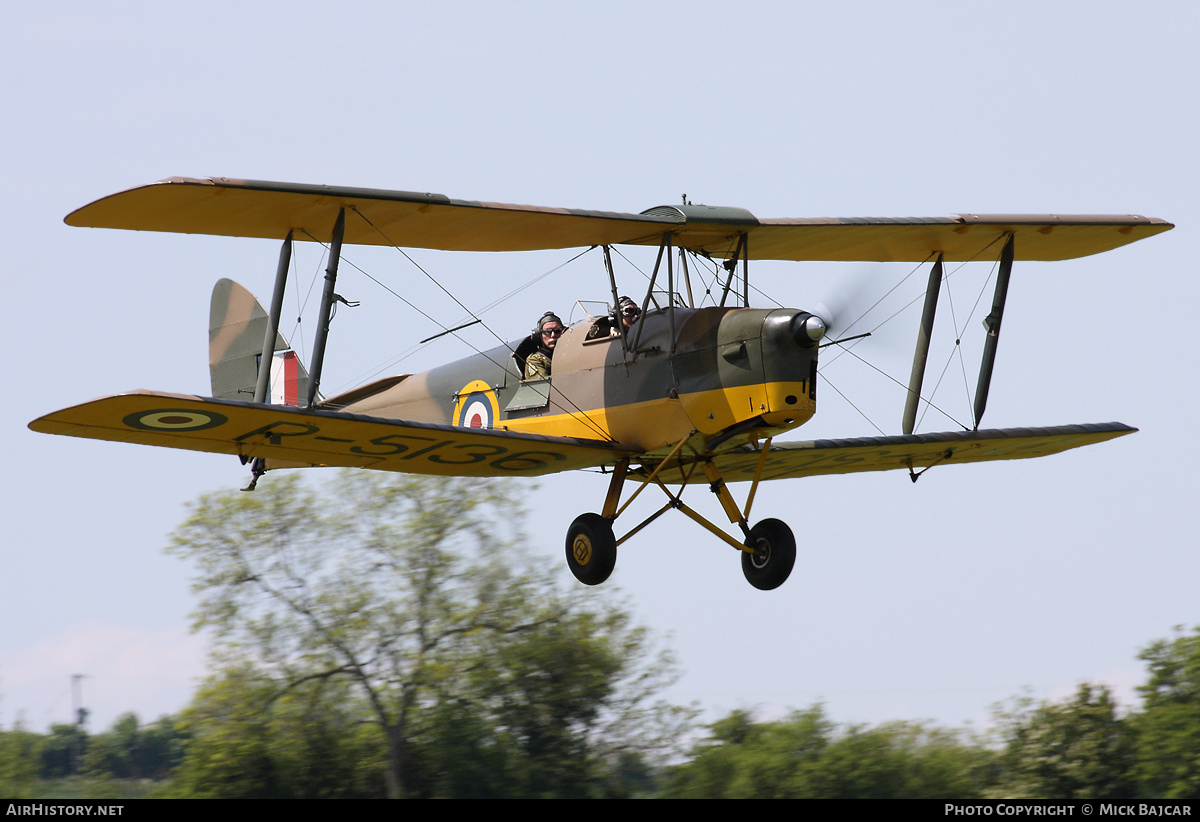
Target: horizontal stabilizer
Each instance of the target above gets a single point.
(296, 436)
(915, 451)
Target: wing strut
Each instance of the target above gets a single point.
(665, 245)
(687, 277)
(921, 354)
(746, 272)
(268, 351)
(742, 251)
(992, 323)
(671, 295)
(612, 280)
(327, 297)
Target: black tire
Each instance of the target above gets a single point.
(591, 549)
(775, 553)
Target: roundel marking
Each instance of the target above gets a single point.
(477, 414)
(175, 419)
(582, 548)
(476, 406)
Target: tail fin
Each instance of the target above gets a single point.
(236, 327)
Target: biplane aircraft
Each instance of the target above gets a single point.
(684, 395)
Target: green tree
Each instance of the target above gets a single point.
(62, 751)
(901, 760)
(253, 739)
(743, 759)
(406, 603)
(1168, 727)
(129, 751)
(808, 756)
(1078, 749)
(20, 753)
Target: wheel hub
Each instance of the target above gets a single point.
(582, 548)
(762, 554)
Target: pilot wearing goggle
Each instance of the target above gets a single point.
(548, 330)
(626, 313)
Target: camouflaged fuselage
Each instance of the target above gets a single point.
(721, 368)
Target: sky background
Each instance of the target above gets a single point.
(927, 601)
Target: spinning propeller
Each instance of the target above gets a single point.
(843, 311)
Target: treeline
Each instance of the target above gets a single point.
(1081, 748)
(384, 637)
(128, 760)
(243, 737)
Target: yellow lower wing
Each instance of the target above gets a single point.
(296, 436)
(917, 451)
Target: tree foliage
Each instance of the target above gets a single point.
(62, 750)
(1168, 727)
(1084, 747)
(1078, 749)
(20, 752)
(808, 756)
(559, 709)
(130, 751)
(252, 740)
(401, 615)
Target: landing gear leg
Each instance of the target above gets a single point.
(768, 550)
(258, 467)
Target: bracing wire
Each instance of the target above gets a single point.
(928, 402)
(574, 411)
(958, 331)
(855, 407)
(408, 352)
(301, 304)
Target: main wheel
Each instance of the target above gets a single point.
(591, 549)
(774, 555)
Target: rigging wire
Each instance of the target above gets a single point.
(708, 295)
(855, 407)
(431, 279)
(957, 349)
(634, 265)
(384, 286)
(928, 402)
(928, 405)
(958, 335)
(578, 413)
(534, 281)
(863, 315)
(298, 326)
(408, 352)
(710, 261)
(702, 263)
(716, 270)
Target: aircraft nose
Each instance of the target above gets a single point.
(807, 329)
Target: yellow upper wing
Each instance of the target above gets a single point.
(256, 208)
(300, 437)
